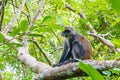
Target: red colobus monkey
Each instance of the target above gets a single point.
(76, 47)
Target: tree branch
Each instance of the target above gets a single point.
(23, 53)
(32, 22)
(10, 39)
(2, 7)
(26, 58)
(27, 15)
(93, 32)
(41, 50)
(72, 70)
(56, 36)
(69, 70)
(12, 22)
(31, 62)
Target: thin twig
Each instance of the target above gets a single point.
(56, 50)
(41, 50)
(56, 36)
(28, 16)
(22, 12)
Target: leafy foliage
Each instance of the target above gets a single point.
(1, 37)
(95, 75)
(47, 31)
(115, 5)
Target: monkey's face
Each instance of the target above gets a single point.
(68, 33)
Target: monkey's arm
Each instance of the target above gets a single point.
(65, 54)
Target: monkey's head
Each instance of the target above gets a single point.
(68, 32)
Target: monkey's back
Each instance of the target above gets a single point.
(82, 48)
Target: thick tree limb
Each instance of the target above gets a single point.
(93, 32)
(31, 62)
(72, 70)
(23, 53)
(45, 71)
(26, 58)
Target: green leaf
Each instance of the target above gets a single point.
(44, 29)
(23, 25)
(56, 27)
(93, 73)
(46, 19)
(1, 37)
(108, 73)
(115, 5)
(115, 71)
(116, 42)
(2, 66)
(15, 31)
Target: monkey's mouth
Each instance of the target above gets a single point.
(67, 36)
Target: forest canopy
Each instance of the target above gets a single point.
(31, 41)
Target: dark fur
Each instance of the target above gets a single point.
(76, 47)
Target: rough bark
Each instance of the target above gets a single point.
(69, 70)
(72, 70)
(45, 71)
(30, 61)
